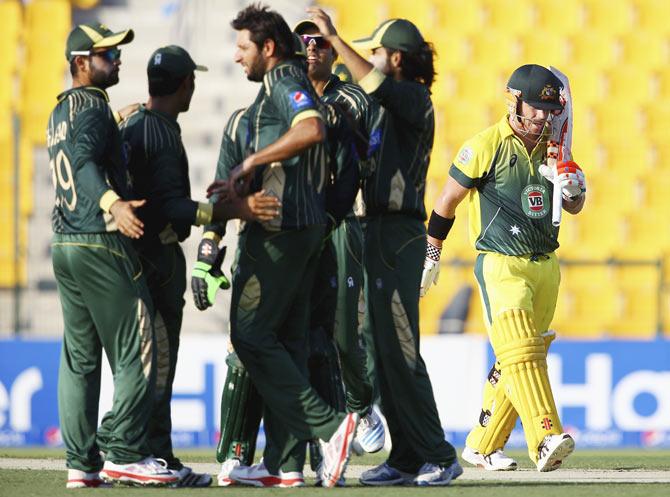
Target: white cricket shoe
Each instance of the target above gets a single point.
(495, 461)
(431, 475)
(81, 479)
(223, 478)
(259, 476)
(147, 472)
(189, 478)
(336, 452)
(370, 435)
(553, 450)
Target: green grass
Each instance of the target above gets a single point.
(52, 483)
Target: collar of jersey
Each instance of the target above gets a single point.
(169, 119)
(332, 83)
(90, 89)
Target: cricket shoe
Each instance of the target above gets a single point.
(553, 450)
(370, 434)
(495, 461)
(336, 452)
(384, 475)
(81, 479)
(223, 478)
(149, 472)
(188, 478)
(434, 475)
(340, 483)
(258, 476)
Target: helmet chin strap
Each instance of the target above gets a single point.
(518, 121)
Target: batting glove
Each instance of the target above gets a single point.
(207, 277)
(570, 178)
(431, 267)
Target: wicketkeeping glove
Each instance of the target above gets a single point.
(570, 178)
(207, 277)
(431, 267)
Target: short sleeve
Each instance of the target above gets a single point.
(293, 101)
(468, 165)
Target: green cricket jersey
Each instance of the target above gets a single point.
(510, 201)
(286, 98)
(86, 162)
(158, 166)
(399, 181)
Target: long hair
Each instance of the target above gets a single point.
(264, 24)
(419, 66)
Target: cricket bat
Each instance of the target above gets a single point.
(559, 145)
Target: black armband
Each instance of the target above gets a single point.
(438, 226)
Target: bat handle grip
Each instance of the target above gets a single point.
(557, 197)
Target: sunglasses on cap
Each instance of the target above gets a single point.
(110, 55)
(318, 40)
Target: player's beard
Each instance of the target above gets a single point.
(257, 69)
(102, 79)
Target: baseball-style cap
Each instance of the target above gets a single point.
(171, 62)
(303, 25)
(538, 87)
(398, 34)
(86, 37)
(299, 48)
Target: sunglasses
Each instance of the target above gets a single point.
(110, 55)
(320, 42)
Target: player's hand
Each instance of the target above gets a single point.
(219, 188)
(126, 111)
(128, 223)
(570, 178)
(322, 21)
(431, 268)
(260, 207)
(207, 277)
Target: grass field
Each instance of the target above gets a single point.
(51, 482)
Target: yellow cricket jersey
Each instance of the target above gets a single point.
(509, 201)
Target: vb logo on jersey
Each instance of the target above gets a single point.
(535, 201)
(300, 100)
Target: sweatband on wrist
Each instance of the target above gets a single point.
(438, 226)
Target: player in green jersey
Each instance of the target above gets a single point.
(105, 301)
(158, 166)
(277, 260)
(502, 170)
(398, 77)
(341, 264)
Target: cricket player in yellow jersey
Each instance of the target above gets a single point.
(503, 172)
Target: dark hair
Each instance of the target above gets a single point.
(419, 66)
(73, 67)
(162, 83)
(264, 24)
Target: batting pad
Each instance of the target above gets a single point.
(498, 416)
(522, 354)
(241, 413)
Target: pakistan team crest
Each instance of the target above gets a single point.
(535, 201)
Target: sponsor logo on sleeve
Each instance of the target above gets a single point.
(465, 156)
(300, 100)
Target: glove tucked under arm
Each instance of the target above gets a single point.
(207, 276)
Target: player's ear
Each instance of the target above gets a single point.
(269, 48)
(396, 59)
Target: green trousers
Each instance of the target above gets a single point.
(395, 248)
(165, 268)
(269, 318)
(335, 299)
(105, 305)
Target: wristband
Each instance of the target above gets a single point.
(438, 226)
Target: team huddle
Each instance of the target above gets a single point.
(327, 177)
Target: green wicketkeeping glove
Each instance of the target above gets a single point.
(207, 277)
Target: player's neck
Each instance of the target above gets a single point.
(319, 85)
(165, 105)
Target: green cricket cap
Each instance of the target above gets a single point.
(397, 34)
(299, 48)
(86, 37)
(538, 86)
(171, 62)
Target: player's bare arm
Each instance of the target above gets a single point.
(256, 207)
(128, 223)
(357, 65)
(452, 195)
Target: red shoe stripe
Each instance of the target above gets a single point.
(350, 428)
(120, 474)
(88, 483)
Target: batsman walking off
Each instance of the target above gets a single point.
(503, 172)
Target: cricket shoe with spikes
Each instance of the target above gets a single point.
(189, 478)
(495, 461)
(385, 475)
(553, 450)
(81, 479)
(223, 478)
(147, 472)
(433, 475)
(336, 452)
